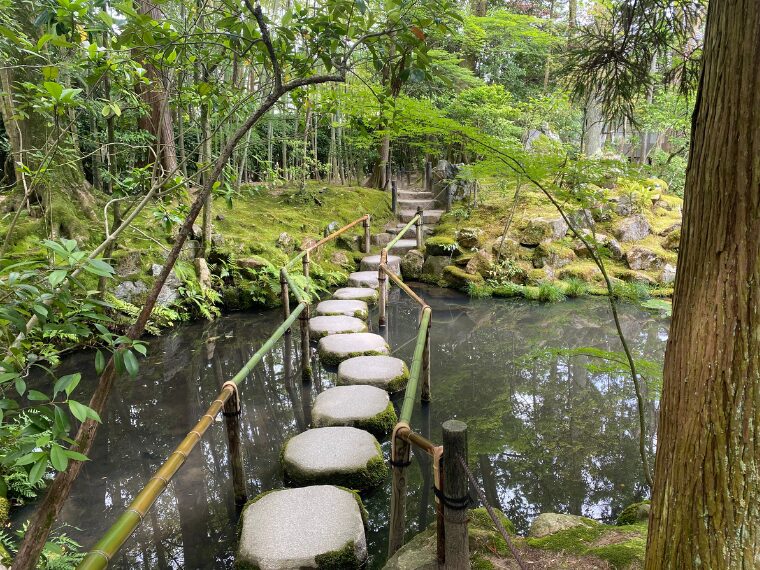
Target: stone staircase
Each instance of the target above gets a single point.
(409, 200)
(316, 523)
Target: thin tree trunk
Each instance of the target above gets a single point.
(706, 500)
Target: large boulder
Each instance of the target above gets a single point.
(382, 239)
(170, 291)
(456, 277)
(641, 258)
(480, 263)
(432, 269)
(440, 246)
(672, 241)
(411, 264)
(552, 254)
(583, 218)
(469, 238)
(632, 228)
(542, 229)
(551, 523)
(508, 249)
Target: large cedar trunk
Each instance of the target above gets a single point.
(706, 499)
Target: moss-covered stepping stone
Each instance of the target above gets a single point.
(340, 324)
(385, 372)
(336, 348)
(312, 527)
(344, 456)
(350, 308)
(372, 263)
(363, 279)
(365, 294)
(363, 407)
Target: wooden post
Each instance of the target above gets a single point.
(382, 279)
(400, 457)
(367, 236)
(232, 426)
(304, 317)
(455, 490)
(425, 394)
(418, 227)
(285, 296)
(428, 176)
(450, 197)
(394, 196)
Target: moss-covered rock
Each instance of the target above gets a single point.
(458, 278)
(441, 245)
(634, 513)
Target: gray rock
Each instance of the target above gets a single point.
(196, 232)
(285, 242)
(469, 238)
(330, 453)
(382, 239)
(349, 242)
(633, 228)
(130, 291)
(641, 258)
(290, 528)
(580, 219)
(433, 267)
(364, 279)
(542, 229)
(356, 293)
(169, 292)
(356, 309)
(338, 324)
(411, 264)
(353, 406)
(668, 274)
(129, 265)
(254, 262)
(508, 249)
(372, 263)
(616, 251)
(550, 523)
(340, 258)
(480, 263)
(417, 554)
(336, 348)
(203, 272)
(217, 239)
(385, 372)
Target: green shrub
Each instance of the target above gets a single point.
(630, 291)
(576, 288)
(549, 293)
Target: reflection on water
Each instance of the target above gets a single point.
(545, 434)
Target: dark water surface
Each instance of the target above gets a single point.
(546, 434)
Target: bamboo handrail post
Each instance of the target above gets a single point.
(456, 498)
(367, 234)
(418, 224)
(425, 395)
(382, 295)
(232, 426)
(306, 372)
(400, 455)
(285, 296)
(394, 196)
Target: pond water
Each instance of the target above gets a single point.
(545, 433)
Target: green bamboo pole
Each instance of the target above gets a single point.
(101, 554)
(402, 233)
(414, 373)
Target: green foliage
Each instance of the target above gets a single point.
(61, 552)
(575, 288)
(550, 293)
(634, 291)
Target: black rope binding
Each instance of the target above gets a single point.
(400, 464)
(453, 503)
(231, 414)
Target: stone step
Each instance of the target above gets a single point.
(294, 528)
(385, 372)
(356, 309)
(404, 245)
(343, 456)
(363, 279)
(428, 204)
(411, 233)
(372, 263)
(336, 348)
(365, 294)
(362, 407)
(326, 325)
(428, 216)
(415, 195)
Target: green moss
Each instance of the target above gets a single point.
(630, 291)
(379, 425)
(479, 290)
(550, 293)
(634, 513)
(400, 381)
(457, 277)
(478, 562)
(575, 288)
(535, 276)
(332, 359)
(441, 245)
(508, 290)
(344, 558)
(5, 508)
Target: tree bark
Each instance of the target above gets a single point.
(706, 500)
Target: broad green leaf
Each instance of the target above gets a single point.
(58, 458)
(38, 470)
(36, 396)
(100, 362)
(67, 383)
(130, 363)
(54, 89)
(79, 411)
(56, 277)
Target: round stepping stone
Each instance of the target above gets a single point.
(363, 407)
(364, 279)
(323, 326)
(336, 348)
(343, 456)
(356, 309)
(372, 262)
(302, 528)
(385, 372)
(365, 294)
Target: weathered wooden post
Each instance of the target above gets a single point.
(285, 297)
(418, 226)
(428, 176)
(425, 394)
(231, 413)
(382, 280)
(450, 196)
(304, 317)
(367, 236)
(456, 498)
(400, 454)
(394, 196)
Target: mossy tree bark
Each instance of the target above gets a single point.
(706, 500)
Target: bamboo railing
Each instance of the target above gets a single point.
(228, 401)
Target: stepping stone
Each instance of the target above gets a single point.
(343, 456)
(428, 216)
(404, 245)
(356, 309)
(364, 279)
(302, 528)
(363, 407)
(323, 326)
(417, 202)
(336, 348)
(365, 294)
(372, 263)
(385, 372)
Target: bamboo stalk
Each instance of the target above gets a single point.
(414, 374)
